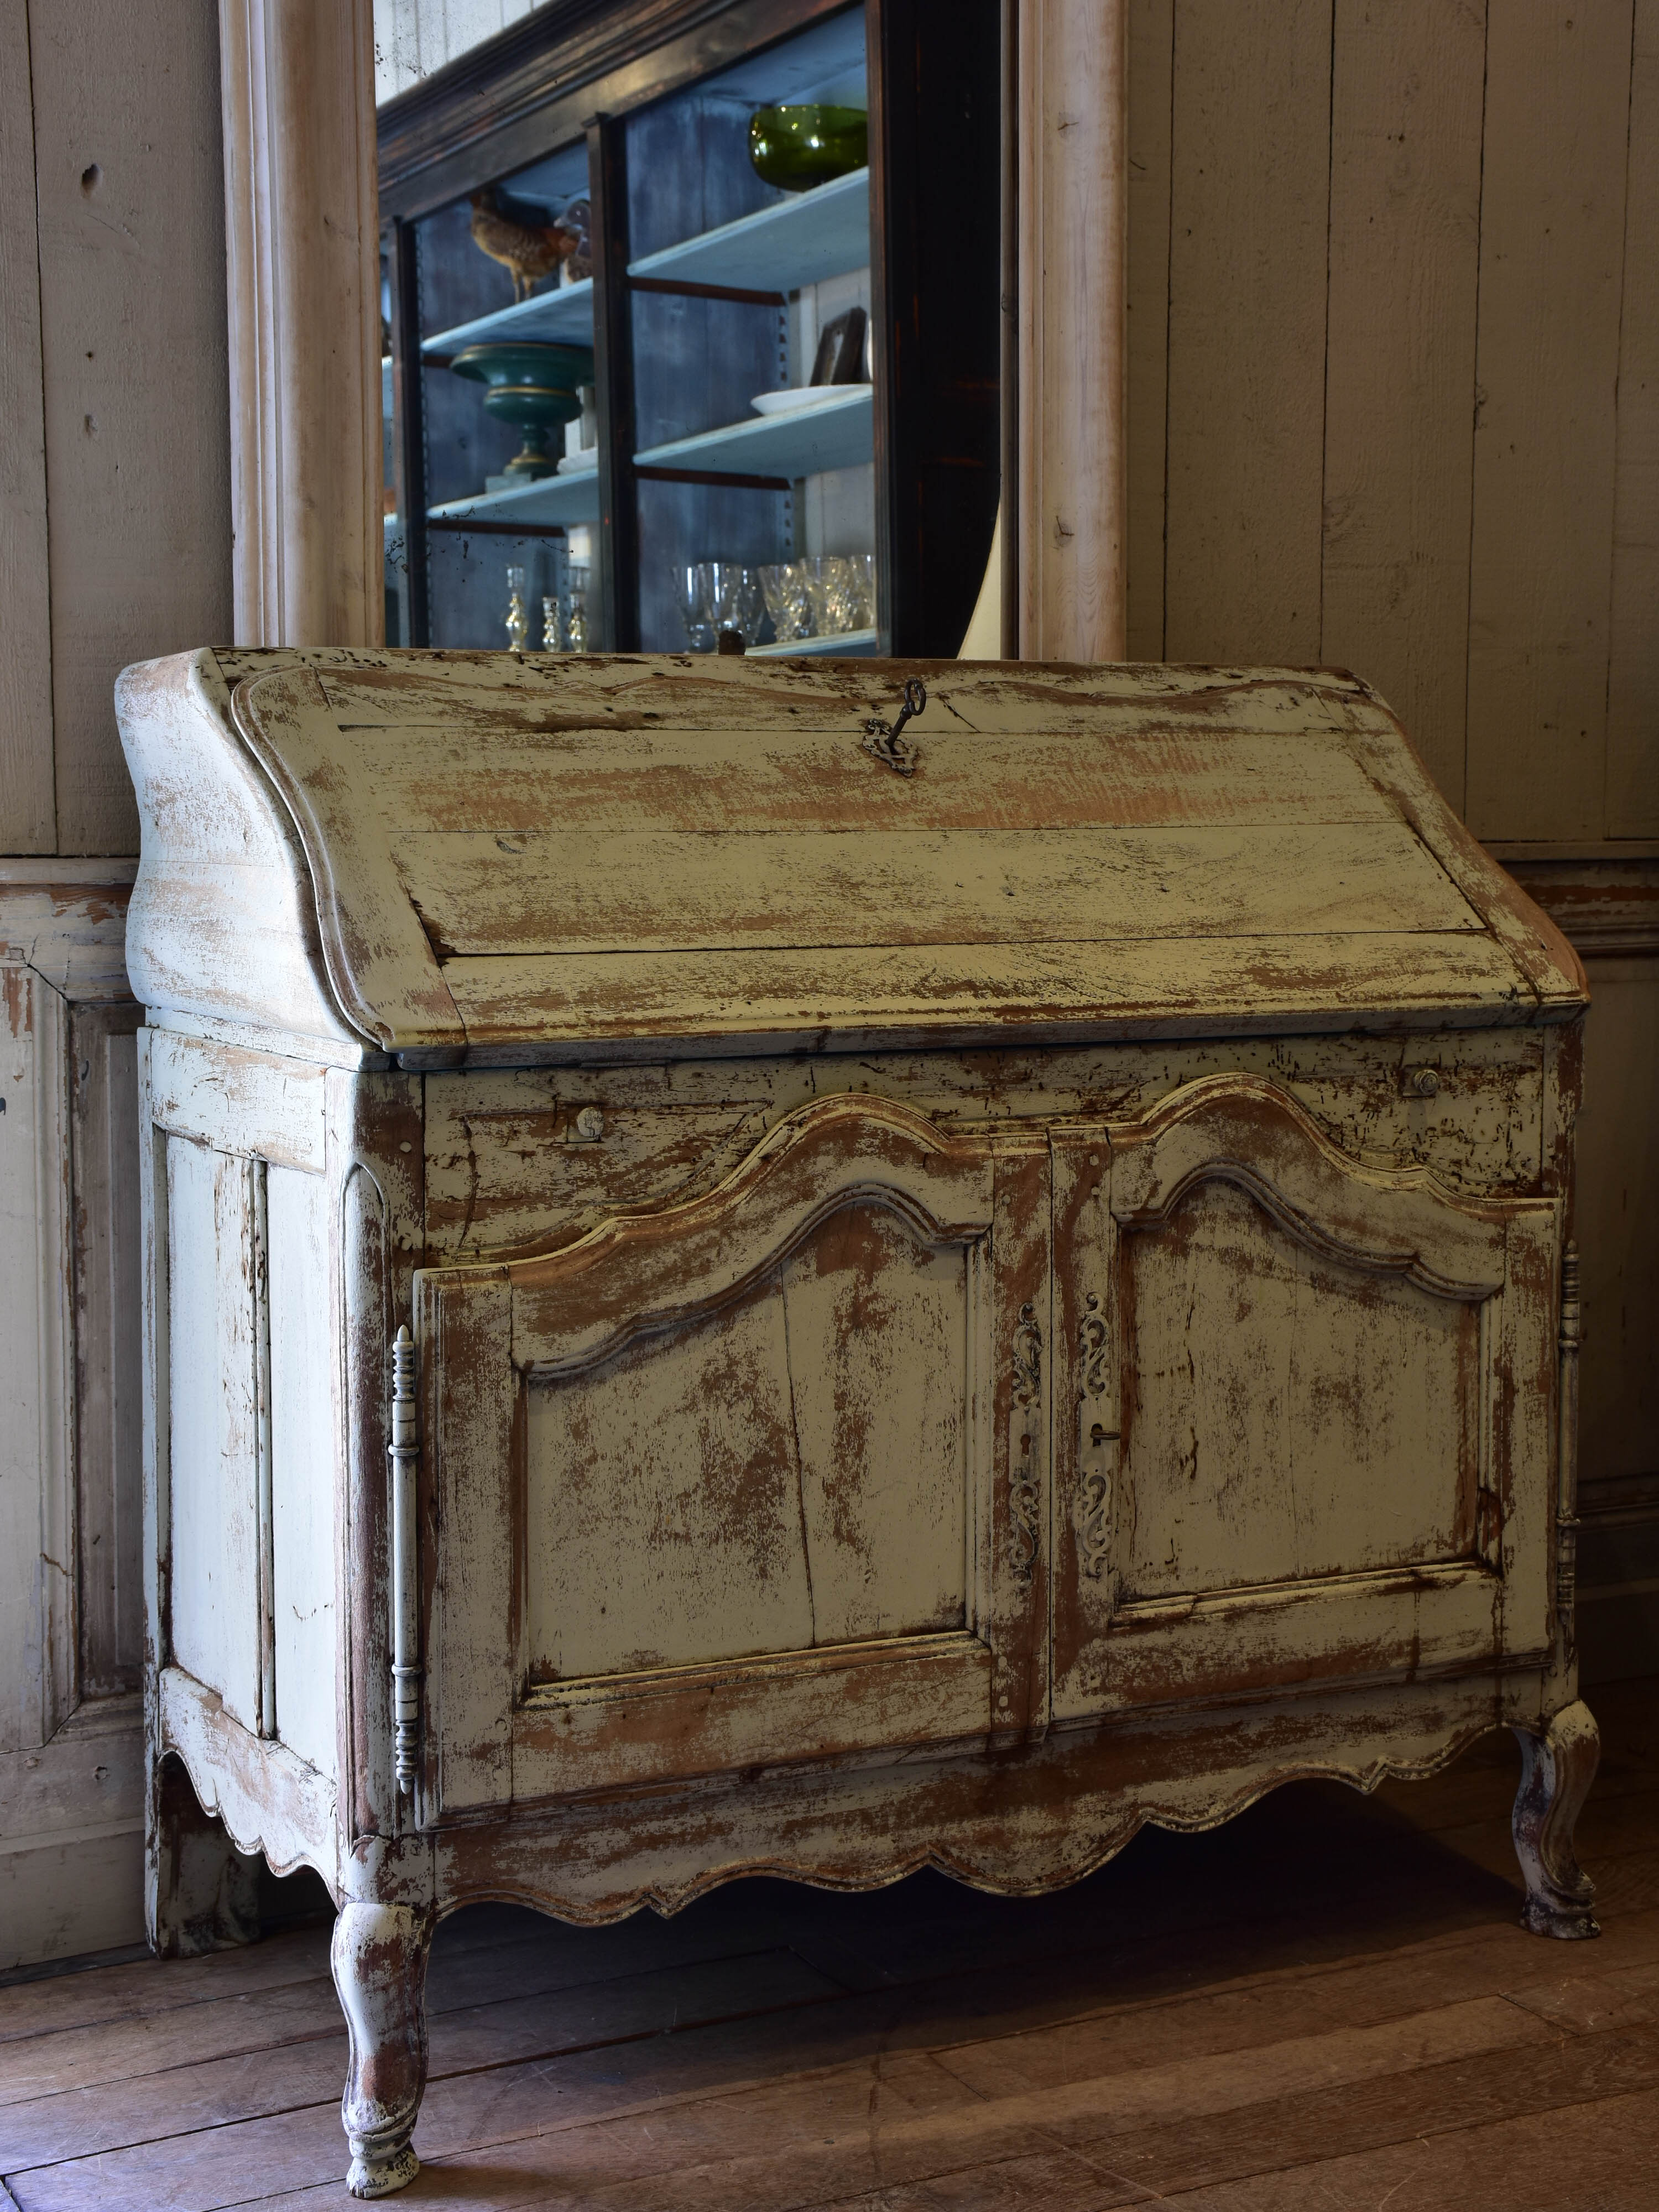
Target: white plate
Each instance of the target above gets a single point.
(801, 395)
(578, 464)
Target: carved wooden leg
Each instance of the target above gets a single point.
(1557, 1769)
(379, 1956)
(201, 1894)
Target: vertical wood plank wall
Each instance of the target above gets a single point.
(1394, 340)
(114, 544)
(1393, 405)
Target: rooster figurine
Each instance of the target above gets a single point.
(519, 236)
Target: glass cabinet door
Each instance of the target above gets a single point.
(500, 403)
(748, 241)
(641, 362)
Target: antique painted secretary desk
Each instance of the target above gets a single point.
(825, 1266)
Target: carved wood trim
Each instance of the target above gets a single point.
(381, 969)
(1244, 1130)
(652, 1271)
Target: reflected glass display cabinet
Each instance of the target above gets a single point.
(662, 362)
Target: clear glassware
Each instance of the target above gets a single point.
(827, 588)
(784, 590)
(770, 579)
(576, 627)
(749, 605)
(517, 617)
(862, 589)
(692, 584)
(549, 622)
(735, 599)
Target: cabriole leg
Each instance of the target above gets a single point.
(379, 1956)
(1557, 1769)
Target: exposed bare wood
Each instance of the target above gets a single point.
(823, 1465)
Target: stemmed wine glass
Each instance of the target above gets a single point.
(693, 585)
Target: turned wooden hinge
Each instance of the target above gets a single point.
(404, 1452)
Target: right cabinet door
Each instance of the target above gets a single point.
(1304, 1410)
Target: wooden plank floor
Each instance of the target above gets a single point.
(1325, 2004)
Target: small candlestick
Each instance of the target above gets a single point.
(549, 622)
(518, 621)
(575, 629)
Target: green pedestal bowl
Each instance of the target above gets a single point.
(796, 148)
(532, 385)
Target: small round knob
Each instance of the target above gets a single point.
(1425, 1082)
(590, 1124)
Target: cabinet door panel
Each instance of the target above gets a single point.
(1291, 1416)
(783, 1472)
(748, 1458)
(1305, 1430)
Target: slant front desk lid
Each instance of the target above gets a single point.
(501, 858)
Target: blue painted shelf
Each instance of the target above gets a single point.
(574, 498)
(849, 644)
(563, 315)
(838, 434)
(809, 235)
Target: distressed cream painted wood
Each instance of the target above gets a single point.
(1071, 225)
(1057, 1325)
(302, 252)
(71, 1621)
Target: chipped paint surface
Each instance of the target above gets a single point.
(956, 1315)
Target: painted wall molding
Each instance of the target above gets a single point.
(302, 266)
(1071, 102)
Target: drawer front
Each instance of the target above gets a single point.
(732, 1483)
(1303, 1410)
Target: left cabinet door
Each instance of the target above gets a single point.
(738, 1482)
